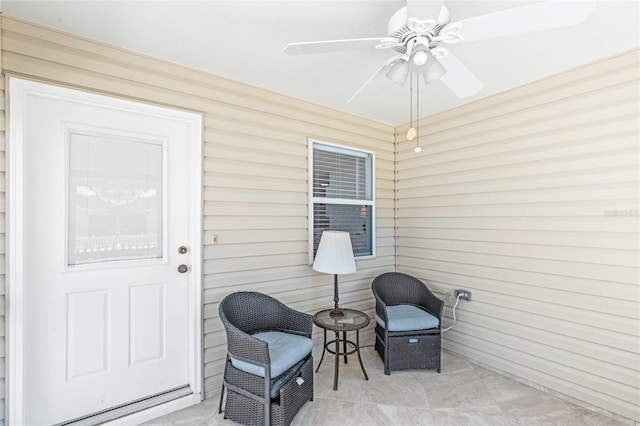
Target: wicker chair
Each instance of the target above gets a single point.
(263, 400)
(400, 345)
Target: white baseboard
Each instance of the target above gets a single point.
(156, 411)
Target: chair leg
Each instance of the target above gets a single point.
(221, 398)
(267, 396)
(224, 374)
(387, 370)
(439, 351)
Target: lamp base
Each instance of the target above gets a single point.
(336, 312)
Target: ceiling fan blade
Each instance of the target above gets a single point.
(424, 9)
(339, 45)
(534, 17)
(375, 76)
(458, 78)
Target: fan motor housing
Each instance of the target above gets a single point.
(398, 28)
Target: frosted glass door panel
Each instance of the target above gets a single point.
(115, 199)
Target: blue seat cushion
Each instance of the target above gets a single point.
(407, 318)
(285, 351)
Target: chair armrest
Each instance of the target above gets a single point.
(381, 308)
(291, 321)
(246, 347)
(431, 303)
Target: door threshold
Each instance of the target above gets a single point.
(113, 414)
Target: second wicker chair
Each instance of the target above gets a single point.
(408, 318)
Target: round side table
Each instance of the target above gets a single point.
(351, 320)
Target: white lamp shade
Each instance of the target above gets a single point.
(335, 254)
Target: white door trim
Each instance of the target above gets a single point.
(16, 89)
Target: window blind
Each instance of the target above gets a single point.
(342, 195)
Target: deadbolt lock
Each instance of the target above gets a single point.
(182, 249)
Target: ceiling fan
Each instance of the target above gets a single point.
(419, 31)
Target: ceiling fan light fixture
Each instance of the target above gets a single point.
(419, 58)
(398, 72)
(434, 72)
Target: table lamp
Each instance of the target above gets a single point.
(335, 256)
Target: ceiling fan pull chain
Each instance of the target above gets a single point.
(411, 100)
(418, 149)
(411, 133)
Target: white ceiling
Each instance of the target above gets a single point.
(244, 41)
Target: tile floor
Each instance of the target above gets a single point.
(463, 394)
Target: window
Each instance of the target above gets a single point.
(115, 198)
(341, 196)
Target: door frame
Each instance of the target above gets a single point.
(14, 264)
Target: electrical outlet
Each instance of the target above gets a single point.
(464, 294)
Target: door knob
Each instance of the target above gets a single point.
(183, 268)
(182, 249)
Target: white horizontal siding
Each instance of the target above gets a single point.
(529, 199)
(255, 171)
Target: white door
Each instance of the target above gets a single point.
(108, 245)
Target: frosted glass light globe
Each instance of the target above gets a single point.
(419, 58)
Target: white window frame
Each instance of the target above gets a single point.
(324, 200)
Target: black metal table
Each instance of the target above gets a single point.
(352, 320)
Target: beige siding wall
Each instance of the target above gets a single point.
(255, 171)
(529, 199)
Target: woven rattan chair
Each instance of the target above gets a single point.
(400, 345)
(263, 400)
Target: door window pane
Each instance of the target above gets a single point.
(115, 199)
